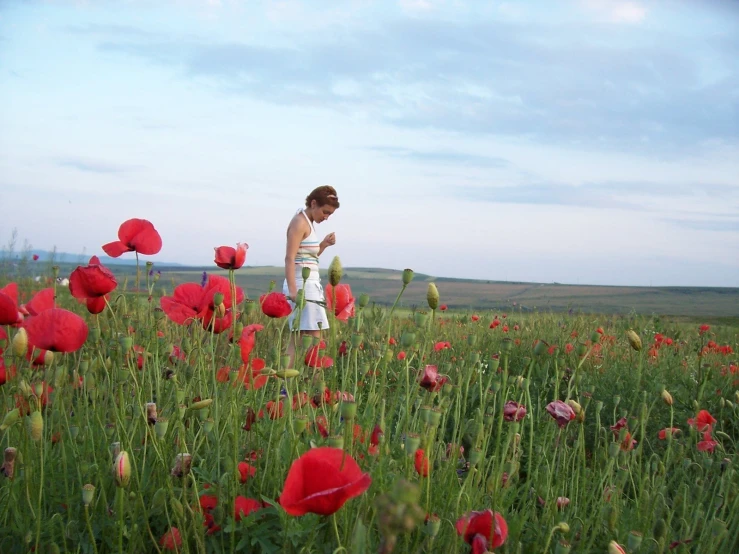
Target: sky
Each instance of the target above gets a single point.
(569, 141)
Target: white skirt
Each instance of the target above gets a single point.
(312, 313)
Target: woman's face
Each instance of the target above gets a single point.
(321, 213)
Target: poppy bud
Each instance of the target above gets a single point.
(200, 404)
(8, 467)
(218, 299)
(432, 296)
(356, 340)
(563, 527)
(160, 427)
(335, 271)
(287, 373)
(300, 422)
(363, 300)
(613, 450)
(575, 406)
(88, 492)
(407, 276)
(615, 548)
(305, 272)
(122, 469)
(10, 419)
(248, 305)
(660, 529)
(182, 464)
(540, 347)
(126, 343)
(177, 508)
(20, 342)
(421, 318)
(612, 517)
(634, 340)
(582, 349)
(666, 397)
(35, 425)
(151, 413)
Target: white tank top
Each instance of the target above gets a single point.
(307, 255)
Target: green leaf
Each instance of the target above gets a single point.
(359, 538)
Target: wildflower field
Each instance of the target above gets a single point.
(141, 418)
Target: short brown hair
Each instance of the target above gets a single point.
(323, 195)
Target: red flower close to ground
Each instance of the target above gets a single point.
(275, 304)
(171, 540)
(431, 380)
(137, 235)
(91, 281)
(246, 471)
(513, 411)
(344, 301)
(703, 422)
(9, 305)
(671, 430)
(442, 345)
(483, 530)
(475, 317)
(421, 463)
(228, 257)
(704, 329)
(314, 359)
(43, 300)
(191, 301)
(57, 330)
(244, 506)
(248, 340)
(561, 412)
(321, 481)
(707, 444)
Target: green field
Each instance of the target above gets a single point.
(720, 304)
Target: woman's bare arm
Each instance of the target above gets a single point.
(296, 232)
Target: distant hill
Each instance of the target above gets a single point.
(76, 259)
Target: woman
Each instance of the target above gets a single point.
(303, 250)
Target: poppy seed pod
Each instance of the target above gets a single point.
(432, 296)
(407, 276)
(122, 469)
(633, 540)
(160, 427)
(335, 271)
(88, 492)
(634, 340)
(363, 300)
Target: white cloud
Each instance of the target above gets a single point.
(617, 11)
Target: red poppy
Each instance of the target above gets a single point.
(35, 257)
(321, 481)
(183, 306)
(513, 411)
(561, 412)
(43, 300)
(495, 323)
(562, 502)
(228, 257)
(443, 307)
(251, 418)
(421, 463)
(672, 430)
(246, 471)
(249, 374)
(97, 305)
(314, 359)
(9, 313)
(248, 340)
(191, 301)
(136, 235)
(704, 329)
(401, 355)
(344, 301)
(171, 540)
(343, 348)
(442, 345)
(244, 506)
(707, 444)
(703, 422)
(91, 281)
(483, 530)
(208, 502)
(210, 523)
(57, 330)
(275, 304)
(375, 436)
(431, 380)
(475, 317)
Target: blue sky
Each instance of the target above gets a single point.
(576, 141)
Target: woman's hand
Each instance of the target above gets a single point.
(328, 240)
